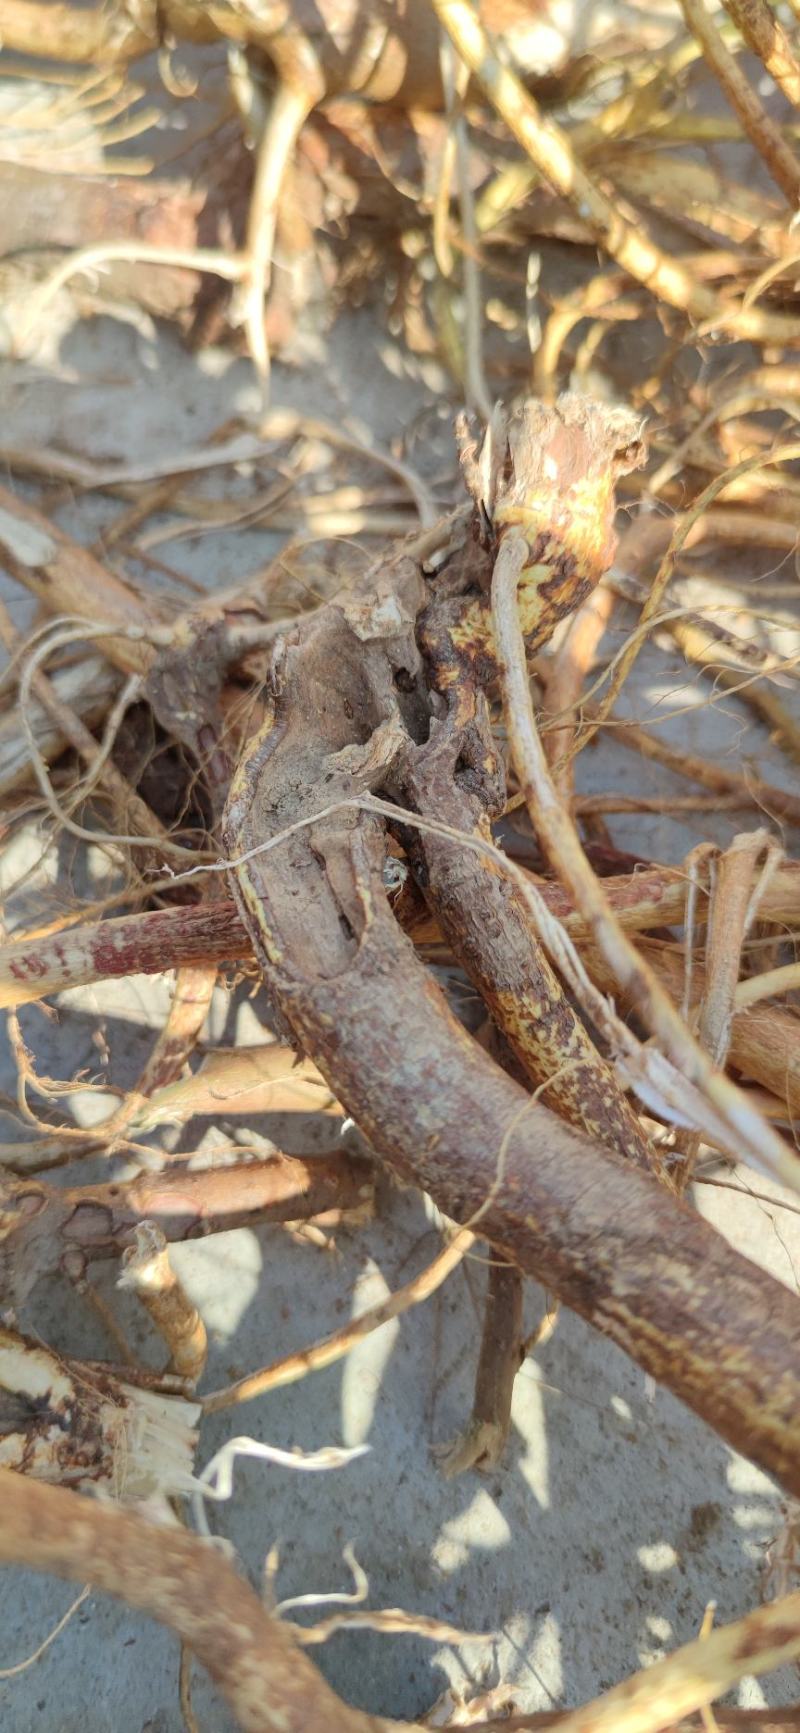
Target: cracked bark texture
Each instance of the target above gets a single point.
(551, 471)
(600, 1235)
(456, 776)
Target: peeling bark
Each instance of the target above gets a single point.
(73, 1424)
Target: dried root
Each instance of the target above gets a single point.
(77, 1425)
(147, 1271)
(483, 1442)
(184, 1583)
(358, 836)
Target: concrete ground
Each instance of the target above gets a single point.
(616, 1516)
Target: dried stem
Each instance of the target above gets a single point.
(176, 1040)
(235, 1081)
(695, 1674)
(455, 79)
(764, 1044)
(100, 757)
(288, 110)
(686, 633)
(502, 1352)
(279, 424)
(598, 1233)
(36, 967)
(188, 1010)
(770, 985)
(44, 1228)
(564, 674)
(243, 1081)
(732, 908)
(486, 922)
(69, 580)
(700, 647)
(134, 944)
(725, 1721)
(717, 778)
(93, 687)
(267, 1079)
(596, 805)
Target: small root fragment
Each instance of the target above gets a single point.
(735, 895)
(191, 998)
(41, 1649)
(483, 1441)
(564, 675)
(146, 1269)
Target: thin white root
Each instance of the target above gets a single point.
(216, 1480)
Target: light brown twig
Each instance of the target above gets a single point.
(331, 1348)
(732, 908)
(182, 1581)
(717, 778)
(764, 33)
(696, 1674)
(782, 163)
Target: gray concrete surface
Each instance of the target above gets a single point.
(616, 1516)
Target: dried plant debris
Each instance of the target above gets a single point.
(356, 775)
(308, 123)
(341, 769)
(407, 719)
